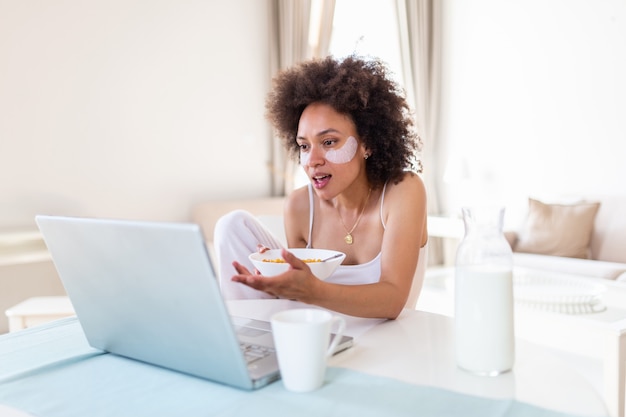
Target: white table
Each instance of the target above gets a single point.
(418, 348)
(599, 335)
(395, 367)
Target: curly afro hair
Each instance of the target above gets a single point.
(360, 89)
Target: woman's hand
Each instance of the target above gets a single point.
(260, 248)
(297, 283)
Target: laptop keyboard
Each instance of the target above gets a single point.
(254, 352)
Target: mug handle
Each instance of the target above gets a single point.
(338, 334)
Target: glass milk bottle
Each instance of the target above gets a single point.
(484, 294)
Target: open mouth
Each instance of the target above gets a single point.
(321, 180)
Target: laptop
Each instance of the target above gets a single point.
(148, 291)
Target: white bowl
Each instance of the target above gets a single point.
(322, 270)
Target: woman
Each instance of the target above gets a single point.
(350, 126)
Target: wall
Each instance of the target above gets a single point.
(130, 109)
(138, 109)
(134, 109)
(534, 99)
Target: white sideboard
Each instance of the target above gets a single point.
(26, 270)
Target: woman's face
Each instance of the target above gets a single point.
(330, 151)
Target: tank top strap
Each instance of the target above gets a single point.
(311, 206)
(382, 201)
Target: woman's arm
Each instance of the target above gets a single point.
(405, 234)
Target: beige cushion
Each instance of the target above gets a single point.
(558, 229)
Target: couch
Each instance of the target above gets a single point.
(585, 237)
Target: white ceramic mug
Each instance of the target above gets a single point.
(301, 339)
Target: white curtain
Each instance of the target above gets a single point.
(419, 22)
(291, 42)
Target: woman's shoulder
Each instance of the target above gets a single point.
(410, 183)
(406, 195)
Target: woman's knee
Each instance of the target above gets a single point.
(230, 222)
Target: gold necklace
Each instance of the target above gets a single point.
(348, 238)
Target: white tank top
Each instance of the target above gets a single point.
(366, 273)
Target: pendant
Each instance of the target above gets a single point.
(348, 239)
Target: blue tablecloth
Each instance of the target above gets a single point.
(50, 370)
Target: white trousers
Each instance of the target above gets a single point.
(236, 236)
